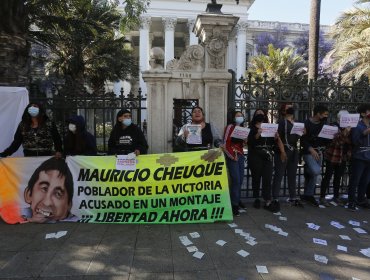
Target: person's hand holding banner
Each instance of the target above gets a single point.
(269, 129)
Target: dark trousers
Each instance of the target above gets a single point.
(290, 165)
(338, 170)
(261, 169)
(359, 180)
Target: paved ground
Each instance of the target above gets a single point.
(99, 251)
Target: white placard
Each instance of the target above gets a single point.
(269, 129)
(195, 134)
(328, 131)
(240, 132)
(349, 120)
(126, 162)
(298, 128)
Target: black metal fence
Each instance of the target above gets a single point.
(99, 111)
(252, 93)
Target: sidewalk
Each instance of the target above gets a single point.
(138, 252)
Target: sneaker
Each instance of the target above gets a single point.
(242, 205)
(351, 206)
(236, 211)
(257, 203)
(338, 201)
(324, 202)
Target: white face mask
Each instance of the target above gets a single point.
(33, 111)
(239, 120)
(72, 127)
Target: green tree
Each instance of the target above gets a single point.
(351, 32)
(278, 64)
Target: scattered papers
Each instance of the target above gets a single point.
(233, 225)
(261, 269)
(345, 237)
(337, 224)
(194, 234)
(221, 242)
(328, 131)
(277, 213)
(243, 253)
(354, 278)
(313, 226)
(281, 218)
(198, 255)
(251, 242)
(341, 248)
(320, 241)
(269, 129)
(321, 259)
(277, 230)
(360, 230)
(192, 249)
(354, 223)
(238, 230)
(298, 128)
(365, 252)
(56, 235)
(185, 240)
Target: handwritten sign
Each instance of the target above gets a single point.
(328, 131)
(349, 120)
(269, 129)
(126, 162)
(298, 128)
(240, 132)
(195, 134)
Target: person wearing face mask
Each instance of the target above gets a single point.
(289, 165)
(313, 147)
(78, 141)
(260, 160)
(235, 161)
(360, 162)
(126, 137)
(36, 133)
(336, 156)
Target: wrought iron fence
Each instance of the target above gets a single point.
(252, 93)
(99, 111)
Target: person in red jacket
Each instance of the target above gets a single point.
(235, 160)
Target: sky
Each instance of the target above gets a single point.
(297, 10)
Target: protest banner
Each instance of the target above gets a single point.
(298, 128)
(269, 129)
(168, 188)
(328, 131)
(349, 120)
(240, 132)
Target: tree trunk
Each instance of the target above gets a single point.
(313, 45)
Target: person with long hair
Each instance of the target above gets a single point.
(126, 137)
(37, 134)
(78, 141)
(260, 160)
(235, 160)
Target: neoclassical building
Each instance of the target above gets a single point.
(166, 31)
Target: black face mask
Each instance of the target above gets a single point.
(259, 118)
(289, 111)
(324, 119)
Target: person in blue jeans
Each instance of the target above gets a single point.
(360, 163)
(235, 160)
(313, 147)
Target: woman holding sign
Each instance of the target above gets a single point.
(260, 159)
(198, 135)
(235, 138)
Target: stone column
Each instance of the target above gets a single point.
(193, 40)
(144, 49)
(169, 39)
(231, 53)
(241, 48)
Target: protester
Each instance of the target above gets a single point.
(49, 193)
(36, 133)
(260, 160)
(336, 156)
(209, 135)
(235, 161)
(126, 137)
(290, 164)
(360, 163)
(313, 147)
(78, 140)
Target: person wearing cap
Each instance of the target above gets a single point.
(78, 141)
(126, 137)
(37, 134)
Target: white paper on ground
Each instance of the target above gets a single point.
(313, 226)
(345, 237)
(261, 269)
(281, 218)
(360, 230)
(221, 242)
(283, 233)
(337, 224)
(333, 203)
(251, 242)
(243, 253)
(60, 234)
(50, 235)
(321, 259)
(322, 206)
(341, 248)
(320, 241)
(192, 249)
(277, 213)
(354, 223)
(238, 230)
(232, 225)
(198, 255)
(185, 240)
(194, 234)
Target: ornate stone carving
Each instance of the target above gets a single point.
(169, 24)
(191, 59)
(145, 22)
(216, 47)
(190, 24)
(242, 26)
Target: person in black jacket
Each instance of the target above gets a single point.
(126, 137)
(78, 140)
(37, 134)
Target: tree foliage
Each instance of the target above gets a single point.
(351, 33)
(275, 38)
(278, 64)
